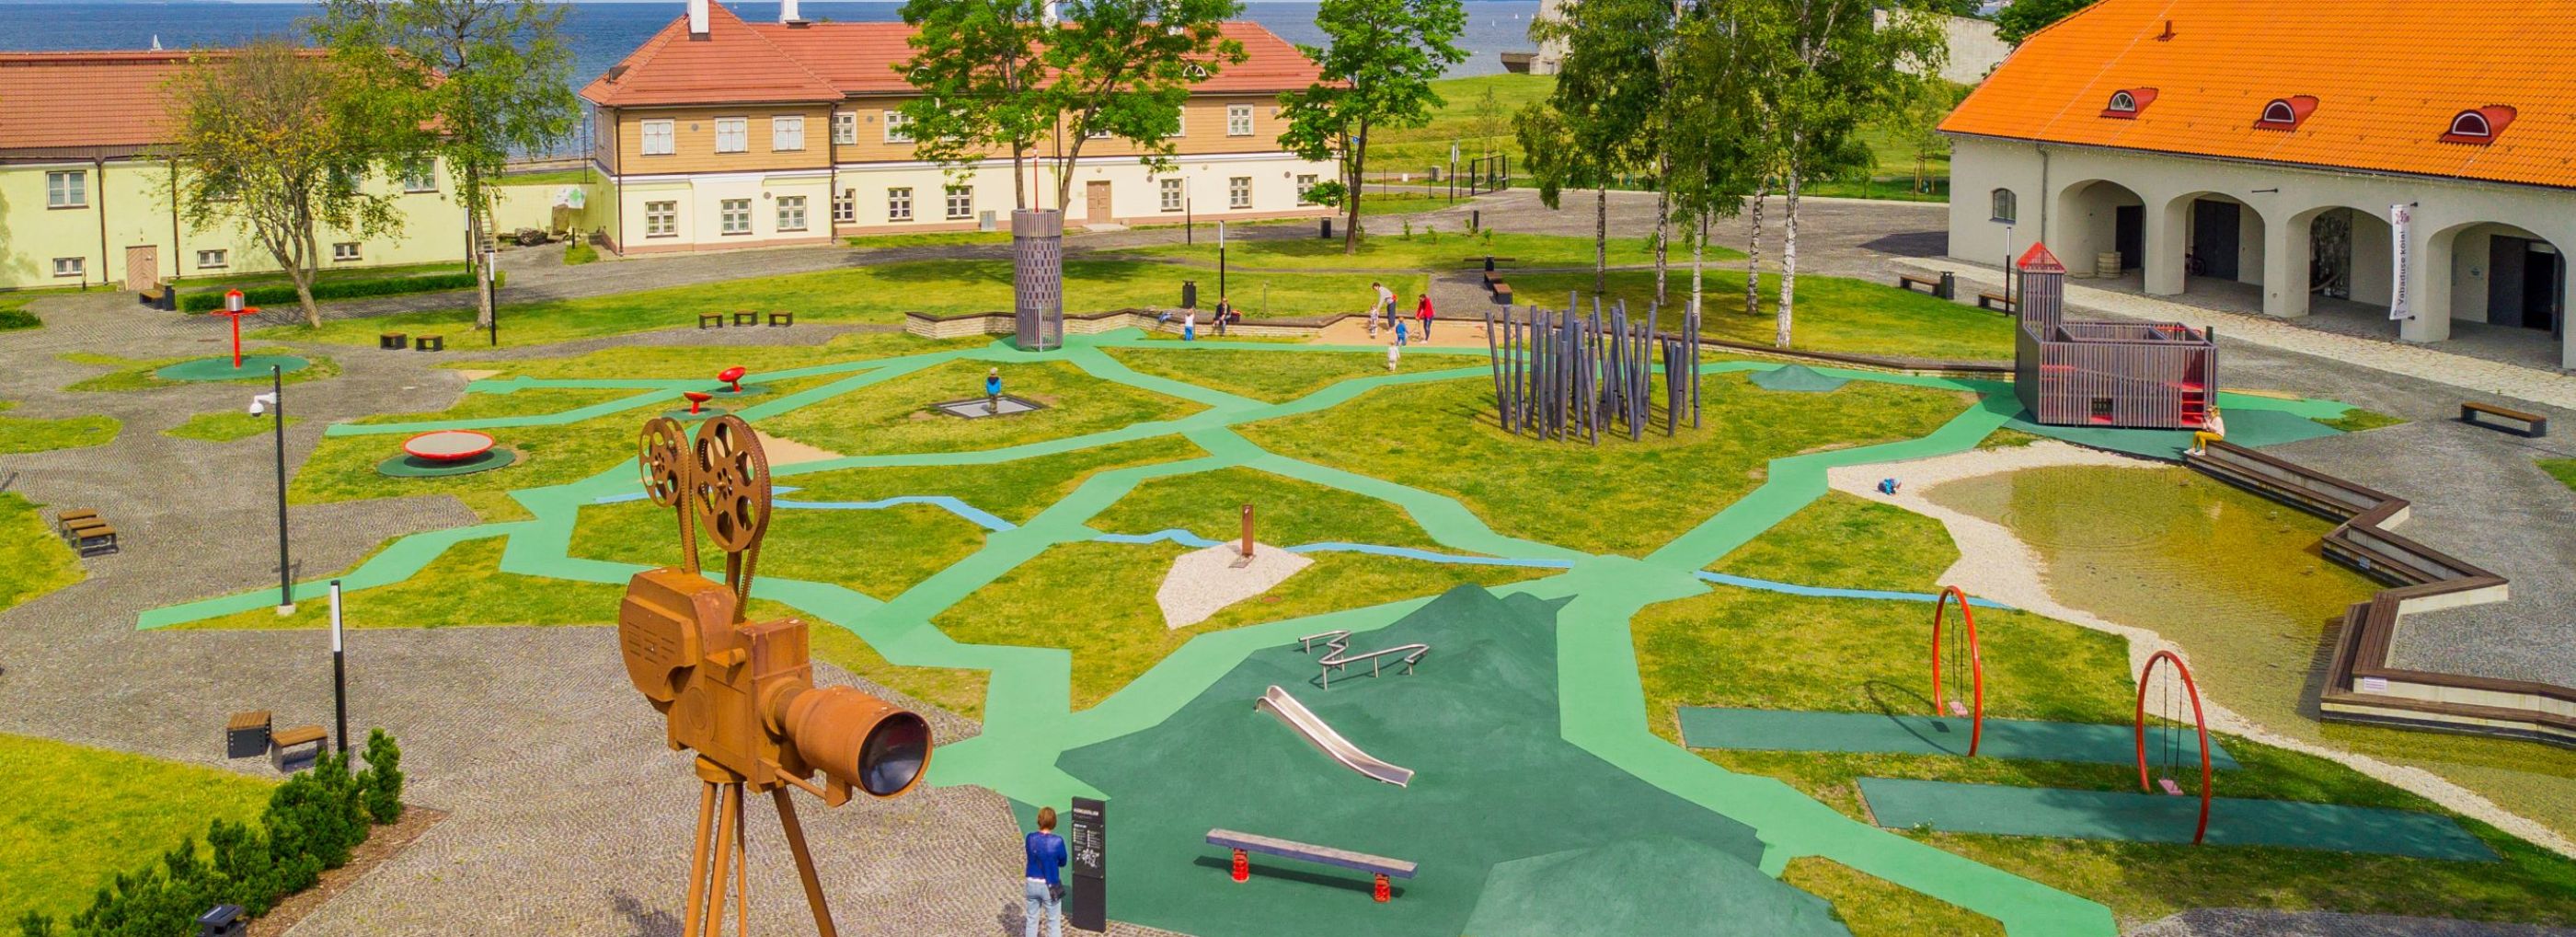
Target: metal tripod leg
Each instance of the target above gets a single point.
(804, 864)
(698, 858)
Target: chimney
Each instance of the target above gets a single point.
(697, 19)
(787, 13)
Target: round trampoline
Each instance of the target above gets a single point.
(446, 452)
(221, 369)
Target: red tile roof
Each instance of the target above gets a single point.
(85, 99)
(2388, 76)
(741, 62)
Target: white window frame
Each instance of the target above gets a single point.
(2005, 205)
(2280, 112)
(961, 202)
(1306, 183)
(845, 207)
(845, 128)
(662, 219)
(1238, 120)
(2123, 102)
(214, 258)
(794, 204)
(2485, 128)
(1238, 192)
(899, 203)
(897, 127)
(1173, 193)
(67, 188)
(730, 210)
(347, 251)
(419, 177)
(737, 130)
(657, 137)
(1180, 123)
(786, 133)
(71, 267)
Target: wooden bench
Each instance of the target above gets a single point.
(63, 522)
(711, 318)
(1503, 292)
(1379, 866)
(281, 745)
(429, 343)
(1907, 281)
(746, 318)
(92, 541)
(777, 319)
(1997, 302)
(246, 734)
(392, 341)
(2534, 425)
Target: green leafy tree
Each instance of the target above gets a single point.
(983, 88)
(465, 83)
(1714, 152)
(2016, 22)
(1604, 117)
(1122, 70)
(382, 782)
(1376, 73)
(277, 143)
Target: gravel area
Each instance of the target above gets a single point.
(1995, 564)
(1202, 583)
(2243, 922)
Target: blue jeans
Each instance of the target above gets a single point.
(1041, 900)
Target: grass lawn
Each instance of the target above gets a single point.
(226, 426)
(1286, 512)
(1272, 376)
(1400, 203)
(896, 416)
(876, 553)
(2562, 469)
(217, 283)
(32, 560)
(1846, 542)
(1833, 313)
(878, 294)
(463, 586)
(702, 362)
(136, 374)
(1015, 491)
(1874, 906)
(578, 253)
(2357, 419)
(931, 239)
(343, 468)
(1619, 497)
(14, 314)
(957, 690)
(548, 177)
(1387, 248)
(1119, 633)
(72, 817)
(1860, 656)
(32, 434)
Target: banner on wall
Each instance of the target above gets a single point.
(2400, 219)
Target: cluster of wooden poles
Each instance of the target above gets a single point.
(1561, 374)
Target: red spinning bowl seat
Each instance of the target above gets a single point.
(732, 376)
(697, 398)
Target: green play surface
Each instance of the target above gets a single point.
(2251, 421)
(1783, 730)
(1494, 782)
(2164, 818)
(221, 369)
(1797, 377)
(1653, 884)
(1505, 794)
(412, 466)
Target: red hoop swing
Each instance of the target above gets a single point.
(1958, 669)
(2168, 758)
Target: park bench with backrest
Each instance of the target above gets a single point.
(2534, 425)
(1381, 867)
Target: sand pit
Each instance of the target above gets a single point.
(785, 451)
(1203, 582)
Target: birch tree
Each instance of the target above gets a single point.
(1376, 74)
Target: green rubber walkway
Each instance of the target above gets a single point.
(253, 367)
(1697, 891)
(1780, 730)
(1029, 722)
(2165, 818)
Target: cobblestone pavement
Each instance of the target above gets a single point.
(569, 815)
(2239, 922)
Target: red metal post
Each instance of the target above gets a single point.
(1242, 867)
(1381, 892)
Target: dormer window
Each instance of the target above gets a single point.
(2127, 102)
(2286, 113)
(2479, 125)
(1195, 70)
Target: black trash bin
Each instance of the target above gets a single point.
(225, 920)
(1189, 294)
(1949, 288)
(1328, 229)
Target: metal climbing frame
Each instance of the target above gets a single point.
(1337, 654)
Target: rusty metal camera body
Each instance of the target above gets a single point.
(741, 694)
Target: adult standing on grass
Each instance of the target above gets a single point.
(1422, 315)
(1385, 303)
(1044, 886)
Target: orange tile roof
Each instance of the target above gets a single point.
(85, 99)
(742, 62)
(2388, 76)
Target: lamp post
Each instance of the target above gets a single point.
(2008, 266)
(1220, 260)
(339, 677)
(492, 293)
(285, 573)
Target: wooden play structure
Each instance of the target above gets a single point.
(2160, 375)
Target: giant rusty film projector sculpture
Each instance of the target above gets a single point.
(741, 694)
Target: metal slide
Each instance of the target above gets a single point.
(1325, 740)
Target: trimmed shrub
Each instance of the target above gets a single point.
(213, 299)
(14, 319)
(383, 778)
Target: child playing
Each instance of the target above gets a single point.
(1399, 331)
(1394, 351)
(993, 391)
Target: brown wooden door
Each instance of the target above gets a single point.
(1096, 199)
(143, 268)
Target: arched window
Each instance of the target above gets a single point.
(2007, 206)
(2286, 113)
(2124, 102)
(2127, 102)
(2471, 124)
(2278, 112)
(2478, 125)
(1195, 70)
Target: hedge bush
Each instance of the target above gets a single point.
(311, 824)
(213, 299)
(11, 319)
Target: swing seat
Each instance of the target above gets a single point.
(2169, 786)
(1958, 709)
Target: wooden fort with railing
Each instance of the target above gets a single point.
(2158, 375)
